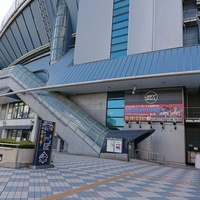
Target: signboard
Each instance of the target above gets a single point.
(118, 146)
(156, 112)
(114, 145)
(154, 106)
(44, 144)
(110, 145)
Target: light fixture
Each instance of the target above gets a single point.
(140, 124)
(129, 123)
(162, 124)
(134, 89)
(150, 123)
(174, 123)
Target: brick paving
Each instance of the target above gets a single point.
(87, 178)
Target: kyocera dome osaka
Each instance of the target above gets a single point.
(120, 78)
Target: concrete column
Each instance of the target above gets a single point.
(34, 132)
(58, 144)
(4, 133)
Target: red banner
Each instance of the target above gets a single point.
(155, 112)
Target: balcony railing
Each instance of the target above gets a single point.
(190, 14)
(192, 112)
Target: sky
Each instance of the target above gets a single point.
(4, 7)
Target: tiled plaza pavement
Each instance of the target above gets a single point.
(79, 177)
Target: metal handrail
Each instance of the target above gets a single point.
(151, 156)
(9, 144)
(192, 112)
(190, 14)
(72, 115)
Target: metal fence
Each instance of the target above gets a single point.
(190, 14)
(192, 112)
(149, 156)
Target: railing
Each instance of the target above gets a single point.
(62, 108)
(192, 112)
(149, 155)
(6, 145)
(190, 14)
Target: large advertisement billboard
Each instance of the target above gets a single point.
(154, 106)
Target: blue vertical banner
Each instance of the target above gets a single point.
(44, 144)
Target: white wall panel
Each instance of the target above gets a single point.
(169, 142)
(140, 26)
(168, 24)
(93, 31)
(93, 104)
(155, 25)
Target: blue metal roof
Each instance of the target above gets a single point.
(150, 63)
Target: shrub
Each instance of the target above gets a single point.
(22, 144)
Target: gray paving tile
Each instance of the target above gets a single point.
(145, 181)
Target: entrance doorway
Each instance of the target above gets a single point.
(192, 131)
(131, 150)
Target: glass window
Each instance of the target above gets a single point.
(3, 111)
(121, 4)
(60, 21)
(120, 39)
(115, 111)
(120, 18)
(118, 54)
(62, 10)
(116, 95)
(9, 134)
(19, 111)
(120, 25)
(120, 28)
(25, 135)
(123, 31)
(13, 134)
(117, 47)
(115, 103)
(14, 113)
(113, 121)
(18, 134)
(116, 1)
(121, 11)
(10, 110)
(26, 111)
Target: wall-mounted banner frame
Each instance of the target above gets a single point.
(44, 144)
(155, 106)
(114, 145)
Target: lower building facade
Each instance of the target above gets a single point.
(83, 120)
(123, 84)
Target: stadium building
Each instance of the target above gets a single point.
(119, 78)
